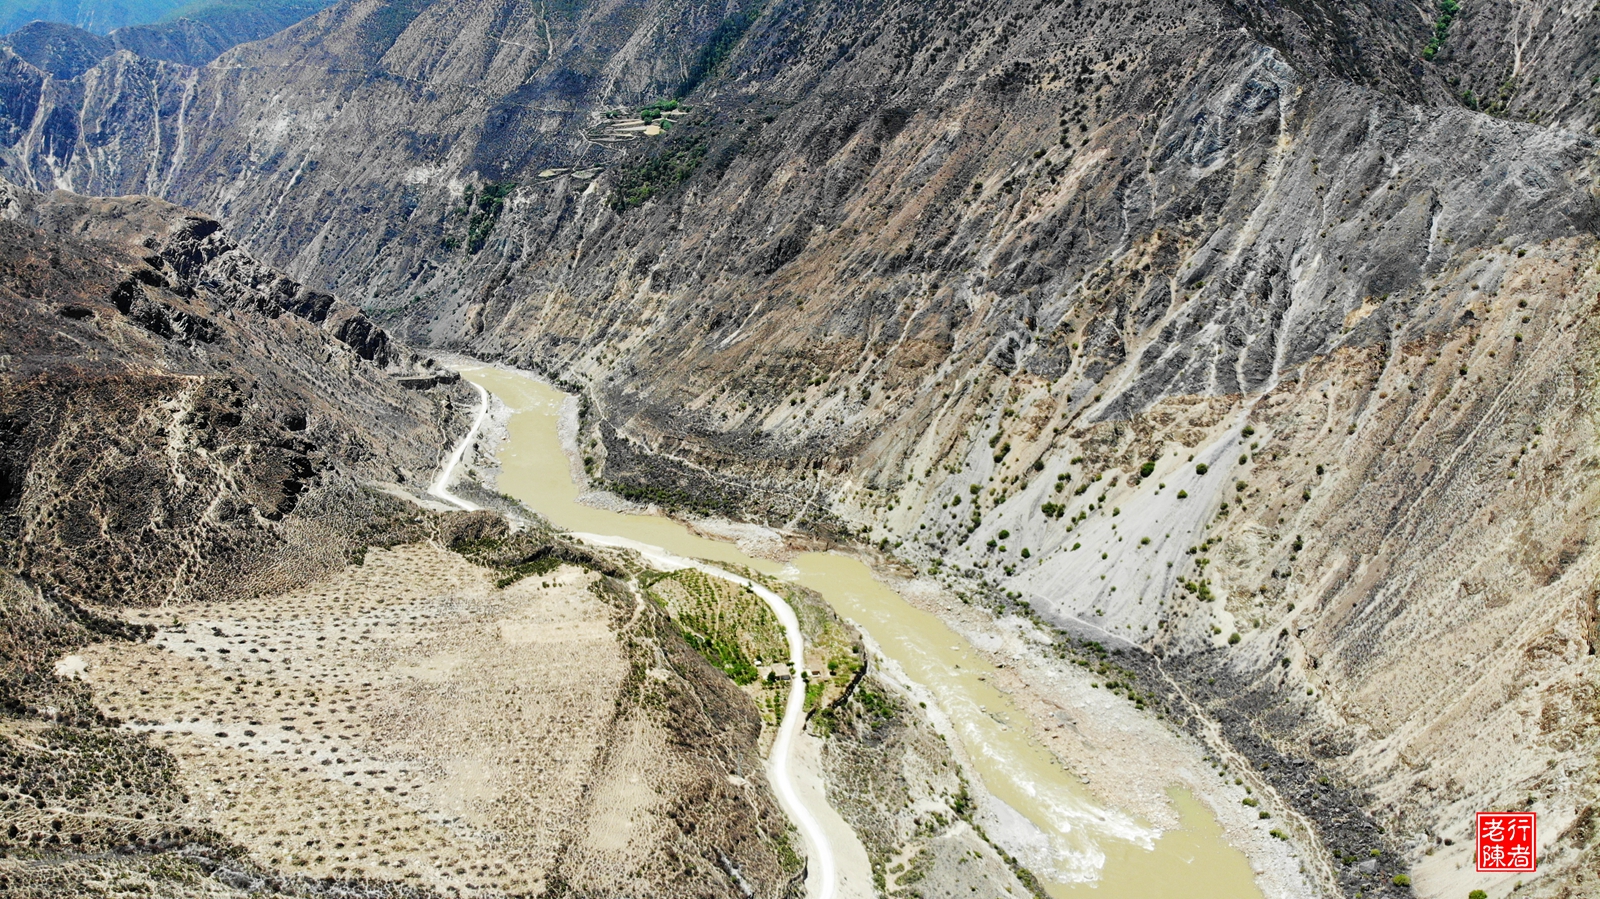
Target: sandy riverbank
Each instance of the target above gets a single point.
(1127, 758)
(1099, 736)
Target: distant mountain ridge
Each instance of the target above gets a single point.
(66, 44)
(98, 16)
(105, 16)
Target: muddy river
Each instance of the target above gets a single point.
(1073, 842)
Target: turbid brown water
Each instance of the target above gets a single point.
(1078, 842)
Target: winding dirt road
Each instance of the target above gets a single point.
(441, 484)
(822, 878)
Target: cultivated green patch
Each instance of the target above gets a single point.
(725, 622)
(654, 174)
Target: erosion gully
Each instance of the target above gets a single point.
(1077, 843)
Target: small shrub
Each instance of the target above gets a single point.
(485, 210)
(1234, 638)
(1183, 494)
(1441, 27)
(1401, 880)
(1202, 468)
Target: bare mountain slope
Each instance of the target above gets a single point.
(196, 455)
(172, 405)
(949, 277)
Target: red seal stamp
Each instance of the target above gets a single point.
(1508, 842)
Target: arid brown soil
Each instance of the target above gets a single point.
(235, 658)
(409, 721)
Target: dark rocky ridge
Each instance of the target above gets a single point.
(170, 405)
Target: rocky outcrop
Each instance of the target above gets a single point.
(192, 255)
(177, 420)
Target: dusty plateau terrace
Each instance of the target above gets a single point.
(407, 720)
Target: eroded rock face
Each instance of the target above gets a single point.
(900, 264)
(170, 404)
(990, 198)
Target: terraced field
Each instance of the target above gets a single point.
(739, 635)
(733, 629)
